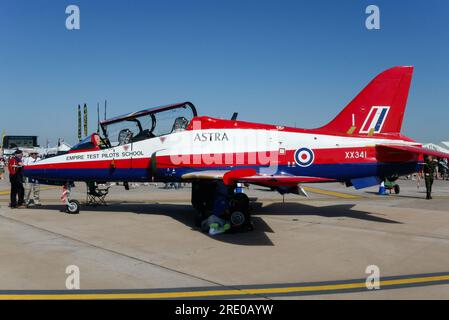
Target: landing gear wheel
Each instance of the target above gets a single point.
(239, 216)
(73, 207)
(240, 221)
(237, 219)
(397, 189)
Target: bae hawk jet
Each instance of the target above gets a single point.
(360, 147)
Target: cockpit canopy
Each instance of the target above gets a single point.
(148, 123)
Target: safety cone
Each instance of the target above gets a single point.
(382, 190)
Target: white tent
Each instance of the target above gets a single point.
(445, 144)
(55, 150)
(440, 148)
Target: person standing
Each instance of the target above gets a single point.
(429, 171)
(15, 166)
(32, 189)
(419, 176)
(2, 167)
(446, 169)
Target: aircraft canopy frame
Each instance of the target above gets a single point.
(133, 115)
(147, 130)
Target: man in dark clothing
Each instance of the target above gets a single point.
(429, 170)
(16, 178)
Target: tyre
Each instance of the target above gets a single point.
(73, 207)
(238, 219)
(397, 189)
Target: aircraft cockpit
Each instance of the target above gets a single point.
(147, 124)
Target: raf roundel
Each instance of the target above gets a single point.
(304, 157)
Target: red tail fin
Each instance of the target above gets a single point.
(379, 108)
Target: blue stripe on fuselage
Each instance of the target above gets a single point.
(339, 172)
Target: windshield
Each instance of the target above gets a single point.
(126, 131)
(172, 121)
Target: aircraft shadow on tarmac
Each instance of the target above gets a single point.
(258, 237)
(182, 213)
(399, 195)
(300, 209)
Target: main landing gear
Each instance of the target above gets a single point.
(209, 198)
(239, 212)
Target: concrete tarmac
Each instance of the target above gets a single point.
(145, 239)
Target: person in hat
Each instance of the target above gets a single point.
(32, 188)
(15, 166)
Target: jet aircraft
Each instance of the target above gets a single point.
(360, 147)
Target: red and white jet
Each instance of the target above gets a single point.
(360, 147)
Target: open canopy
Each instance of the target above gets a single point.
(144, 112)
(147, 123)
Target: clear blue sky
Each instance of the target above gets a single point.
(282, 62)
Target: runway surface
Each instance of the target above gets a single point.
(144, 245)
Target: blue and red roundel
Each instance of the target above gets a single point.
(304, 157)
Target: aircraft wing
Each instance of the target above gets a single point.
(207, 175)
(414, 150)
(251, 176)
(228, 176)
(281, 180)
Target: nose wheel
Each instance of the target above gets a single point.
(73, 207)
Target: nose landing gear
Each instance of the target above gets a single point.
(71, 206)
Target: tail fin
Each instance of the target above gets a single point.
(379, 108)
